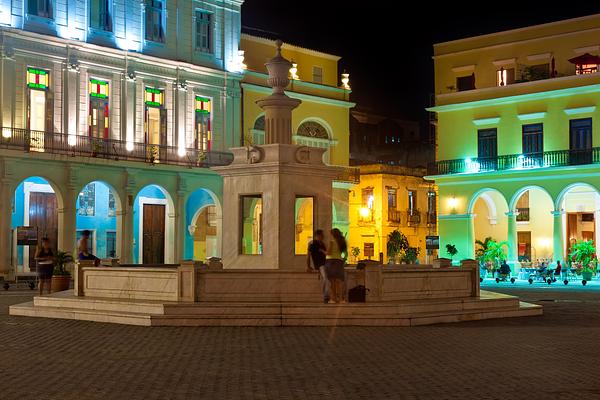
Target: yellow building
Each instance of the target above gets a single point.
(517, 123)
(321, 120)
(391, 198)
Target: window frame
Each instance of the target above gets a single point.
(108, 28)
(51, 5)
(149, 4)
(314, 68)
(210, 32)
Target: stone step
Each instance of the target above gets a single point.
(81, 314)
(317, 318)
(66, 299)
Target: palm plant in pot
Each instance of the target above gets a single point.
(61, 279)
(480, 252)
(396, 246)
(582, 254)
(495, 253)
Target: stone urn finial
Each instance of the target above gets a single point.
(278, 68)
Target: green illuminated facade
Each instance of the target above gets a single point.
(517, 157)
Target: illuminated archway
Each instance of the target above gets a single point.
(489, 208)
(580, 204)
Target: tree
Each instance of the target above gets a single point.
(397, 244)
(451, 250)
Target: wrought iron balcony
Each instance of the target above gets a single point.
(557, 158)
(431, 218)
(394, 215)
(413, 217)
(117, 150)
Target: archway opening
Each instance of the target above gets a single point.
(34, 216)
(534, 225)
(203, 221)
(153, 226)
(581, 205)
(96, 211)
(490, 221)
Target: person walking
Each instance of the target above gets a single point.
(317, 256)
(335, 266)
(44, 257)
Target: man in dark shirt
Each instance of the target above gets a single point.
(317, 254)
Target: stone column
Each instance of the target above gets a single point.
(126, 239)
(128, 99)
(180, 227)
(470, 235)
(67, 224)
(71, 101)
(6, 199)
(558, 240)
(512, 236)
(180, 111)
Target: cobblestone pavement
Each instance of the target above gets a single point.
(551, 357)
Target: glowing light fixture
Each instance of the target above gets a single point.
(365, 212)
(6, 133)
(452, 202)
(346, 81)
(294, 71)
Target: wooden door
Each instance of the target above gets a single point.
(43, 214)
(571, 231)
(524, 244)
(154, 234)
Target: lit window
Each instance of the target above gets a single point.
(153, 97)
(583, 69)
(392, 198)
(87, 201)
(40, 8)
(505, 76)
(431, 203)
(154, 20)
(100, 17)
(203, 31)
(98, 88)
(412, 201)
(317, 74)
(37, 79)
(203, 129)
(367, 197)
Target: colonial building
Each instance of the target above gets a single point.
(322, 118)
(111, 113)
(390, 198)
(517, 124)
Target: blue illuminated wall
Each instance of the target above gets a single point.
(196, 201)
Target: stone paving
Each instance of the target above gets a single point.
(550, 357)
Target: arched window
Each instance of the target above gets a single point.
(313, 129)
(257, 133)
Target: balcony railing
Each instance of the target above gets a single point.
(394, 215)
(523, 215)
(431, 218)
(557, 158)
(86, 146)
(413, 217)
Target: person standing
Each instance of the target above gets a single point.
(317, 255)
(335, 265)
(44, 257)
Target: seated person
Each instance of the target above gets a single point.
(504, 269)
(83, 250)
(543, 268)
(558, 268)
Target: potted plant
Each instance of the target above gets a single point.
(397, 245)
(582, 253)
(495, 253)
(153, 153)
(61, 279)
(411, 255)
(200, 158)
(451, 250)
(96, 147)
(355, 252)
(480, 251)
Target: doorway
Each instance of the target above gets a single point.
(43, 214)
(580, 141)
(156, 133)
(153, 251)
(98, 118)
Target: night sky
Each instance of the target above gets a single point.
(387, 50)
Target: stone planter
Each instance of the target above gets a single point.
(60, 283)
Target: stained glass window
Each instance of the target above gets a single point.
(98, 88)
(154, 97)
(203, 128)
(37, 79)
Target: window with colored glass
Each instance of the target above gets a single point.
(37, 79)
(153, 97)
(203, 129)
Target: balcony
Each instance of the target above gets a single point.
(431, 218)
(413, 217)
(523, 215)
(557, 158)
(394, 215)
(117, 150)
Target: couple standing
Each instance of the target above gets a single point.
(329, 262)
